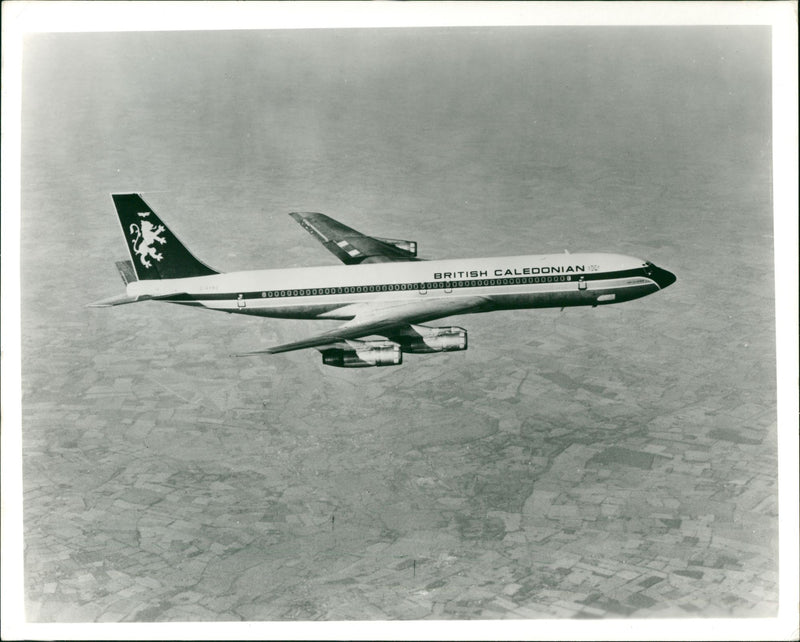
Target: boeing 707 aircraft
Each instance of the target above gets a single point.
(381, 304)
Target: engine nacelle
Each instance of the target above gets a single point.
(364, 354)
(420, 339)
(406, 246)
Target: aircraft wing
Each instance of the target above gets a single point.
(381, 320)
(352, 247)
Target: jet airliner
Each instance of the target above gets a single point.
(382, 305)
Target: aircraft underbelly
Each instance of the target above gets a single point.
(299, 311)
(574, 297)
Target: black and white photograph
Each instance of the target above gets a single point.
(399, 321)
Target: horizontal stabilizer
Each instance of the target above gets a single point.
(126, 271)
(121, 299)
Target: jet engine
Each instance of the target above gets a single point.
(406, 246)
(420, 339)
(363, 354)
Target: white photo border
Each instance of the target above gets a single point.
(21, 18)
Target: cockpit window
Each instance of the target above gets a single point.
(648, 268)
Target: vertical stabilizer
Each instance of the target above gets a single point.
(155, 251)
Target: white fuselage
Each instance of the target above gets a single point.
(336, 292)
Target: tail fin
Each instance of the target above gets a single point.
(155, 251)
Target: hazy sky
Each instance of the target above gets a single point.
(259, 101)
(375, 124)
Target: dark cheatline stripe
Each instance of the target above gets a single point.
(402, 287)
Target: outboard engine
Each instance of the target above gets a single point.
(364, 354)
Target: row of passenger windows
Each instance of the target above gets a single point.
(435, 285)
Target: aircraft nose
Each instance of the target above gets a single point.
(663, 277)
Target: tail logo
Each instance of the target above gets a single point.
(144, 238)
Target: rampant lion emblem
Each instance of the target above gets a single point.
(143, 243)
